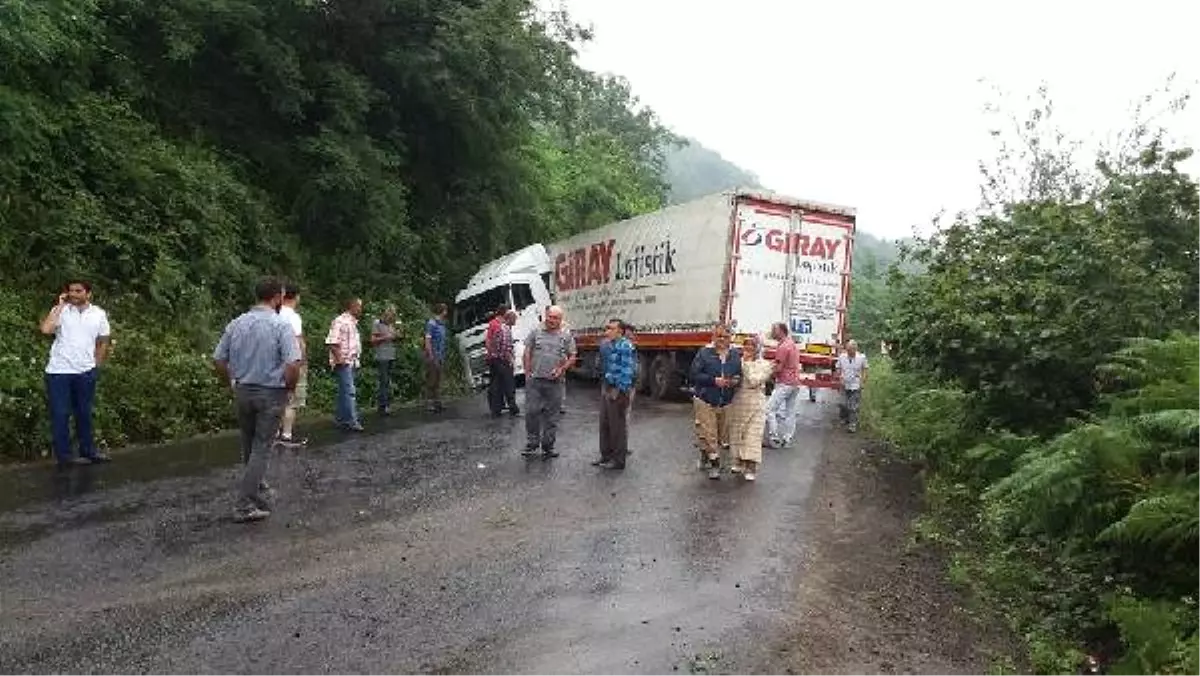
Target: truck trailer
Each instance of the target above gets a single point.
(744, 258)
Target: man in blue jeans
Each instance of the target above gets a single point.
(345, 347)
(81, 339)
(259, 356)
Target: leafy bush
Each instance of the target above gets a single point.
(1089, 535)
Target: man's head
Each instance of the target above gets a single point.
(614, 329)
(389, 314)
(554, 317)
(630, 331)
(721, 336)
(510, 317)
(291, 294)
(354, 306)
(440, 310)
(779, 331)
(851, 347)
(502, 310)
(78, 292)
(269, 292)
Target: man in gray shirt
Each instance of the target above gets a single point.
(258, 355)
(852, 372)
(549, 352)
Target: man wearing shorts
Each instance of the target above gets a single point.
(299, 396)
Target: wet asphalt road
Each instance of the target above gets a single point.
(431, 547)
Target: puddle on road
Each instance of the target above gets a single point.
(21, 486)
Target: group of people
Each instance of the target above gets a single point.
(732, 411)
(262, 357)
(550, 352)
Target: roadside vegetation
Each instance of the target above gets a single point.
(171, 151)
(1045, 383)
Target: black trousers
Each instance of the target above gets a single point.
(502, 390)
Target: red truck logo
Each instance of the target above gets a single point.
(783, 242)
(585, 266)
(599, 264)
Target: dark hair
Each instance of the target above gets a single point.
(782, 326)
(267, 288)
(501, 309)
(290, 291)
(620, 324)
(87, 286)
(627, 327)
(439, 309)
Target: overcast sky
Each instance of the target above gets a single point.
(877, 105)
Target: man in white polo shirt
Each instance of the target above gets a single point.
(81, 339)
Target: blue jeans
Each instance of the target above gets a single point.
(346, 412)
(384, 367)
(71, 393)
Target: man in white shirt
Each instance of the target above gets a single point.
(81, 340)
(299, 396)
(852, 371)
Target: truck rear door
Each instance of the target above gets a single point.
(791, 264)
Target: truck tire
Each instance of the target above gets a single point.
(665, 378)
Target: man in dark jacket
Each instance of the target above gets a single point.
(715, 374)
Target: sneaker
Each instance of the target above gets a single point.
(549, 453)
(749, 476)
(714, 473)
(354, 427)
(609, 464)
(292, 442)
(248, 515)
(735, 469)
(529, 451)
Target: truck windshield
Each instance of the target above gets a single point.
(475, 310)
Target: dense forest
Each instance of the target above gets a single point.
(1046, 383)
(171, 151)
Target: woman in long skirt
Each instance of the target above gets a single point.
(748, 412)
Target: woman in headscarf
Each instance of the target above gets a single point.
(714, 374)
(748, 412)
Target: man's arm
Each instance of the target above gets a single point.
(333, 342)
(49, 324)
(103, 340)
(625, 375)
(290, 349)
(697, 374)
(570, 359)
(221, 359)
(428, 341)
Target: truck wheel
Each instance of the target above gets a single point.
(664, 376)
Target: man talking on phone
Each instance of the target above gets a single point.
(81, 340)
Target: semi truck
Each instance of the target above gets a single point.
(744, 258)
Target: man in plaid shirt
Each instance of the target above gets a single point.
(502, 388)
(620, 369)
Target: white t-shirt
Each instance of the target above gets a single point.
(74, 348)
(852, 370)
(292, 317)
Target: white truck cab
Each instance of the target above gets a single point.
(522, 281)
